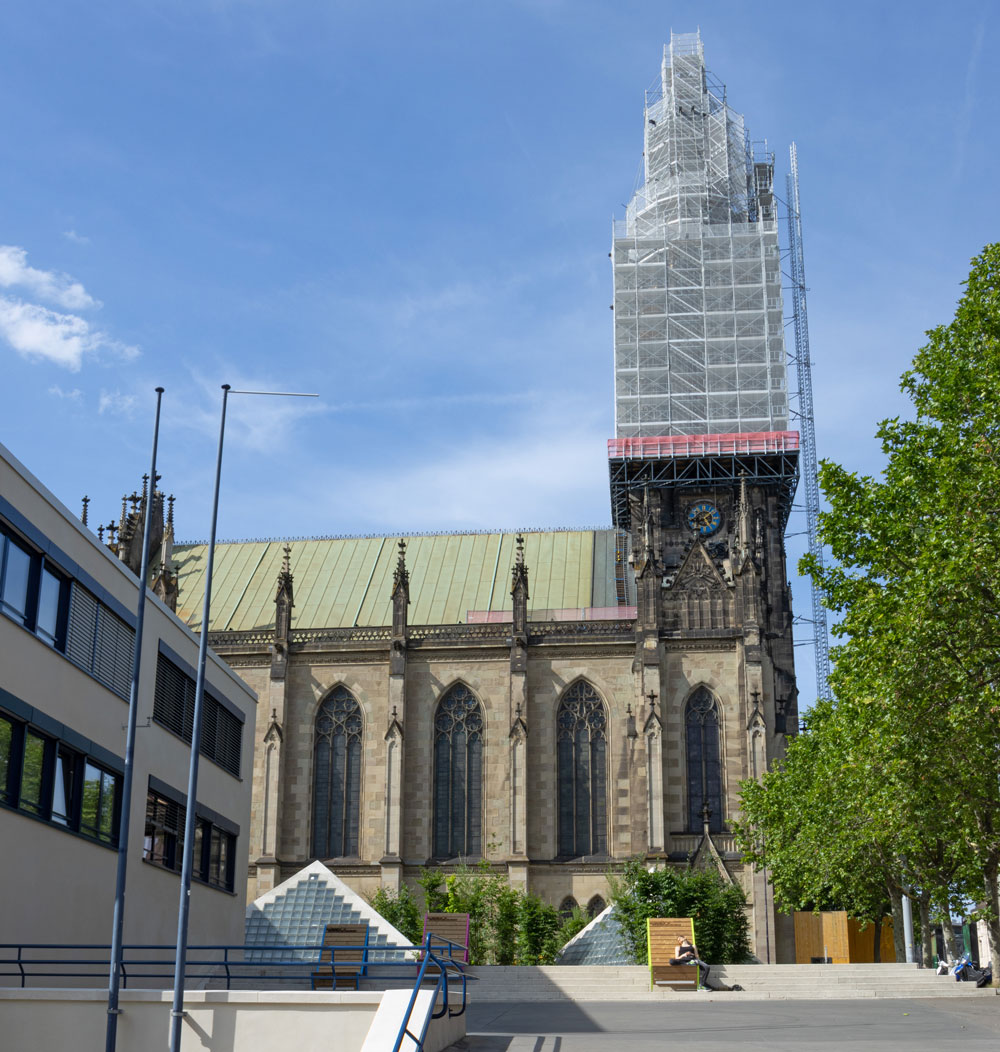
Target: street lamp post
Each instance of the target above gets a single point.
(114, 979)
(180, 962)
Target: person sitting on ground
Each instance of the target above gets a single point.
(687, 953)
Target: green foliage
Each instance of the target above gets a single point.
(506, 926)
(431, 883)
(401, 911)
(904, 763)
(722, 931)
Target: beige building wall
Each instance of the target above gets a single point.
(60, 885)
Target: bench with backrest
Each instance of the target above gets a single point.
(662, 934)
(344, 956)
(450, 928)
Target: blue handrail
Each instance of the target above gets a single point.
(440, 987)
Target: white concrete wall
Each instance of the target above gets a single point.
(244, 1021)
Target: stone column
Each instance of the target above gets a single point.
(652, 732)
(395, 808)
(268, 805)
(517, 773)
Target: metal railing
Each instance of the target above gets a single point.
(220, 963)
(443, 964)
(703, 445)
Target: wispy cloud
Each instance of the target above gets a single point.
(63, 339)
(539, 473)
(75, 395)
(116, 403)
(36, 331)
(77, 239)
(963, 125)
(259, 423)
(49, 285)
(431, 401)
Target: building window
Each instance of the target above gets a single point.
(704, 762)
(595, 906)
(567, 906)
(458, 775)
(100, 642)
(173, 707)
(214, 853)
(337, 776)
(164, 831)
(581, 747)
(56, 782)
(33, 592)
(33, 781)
(6, 759)
(101, 790)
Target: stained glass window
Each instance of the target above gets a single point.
(458, 775)
(704, 761)
(581, 746)
(337, 776)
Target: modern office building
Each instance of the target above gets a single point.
(67, 629)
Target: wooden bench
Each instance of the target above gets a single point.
(448, 927)
(662, 934)
(344, 955)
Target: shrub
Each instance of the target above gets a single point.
(722, 931)
(401, 911)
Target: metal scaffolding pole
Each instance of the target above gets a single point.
(807, 422)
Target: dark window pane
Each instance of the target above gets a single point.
(704, 762)
(6, 745)
(16, 574)
(50, 595)
(31, 773)
(97, 812)
(164, 831)
(64, 786)
(581, 742)
(458, 774)
(337, 776)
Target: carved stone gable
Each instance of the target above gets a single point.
(697, 573)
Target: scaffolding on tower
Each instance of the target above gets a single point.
(807, 421)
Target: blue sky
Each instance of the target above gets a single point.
(406, 207)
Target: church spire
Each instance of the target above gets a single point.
(400, 592)
(284, 599)
(519, 588)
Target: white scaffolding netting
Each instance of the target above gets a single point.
(699, 343)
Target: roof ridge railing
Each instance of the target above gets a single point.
(513, 531)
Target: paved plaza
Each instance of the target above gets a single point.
(969, 1024)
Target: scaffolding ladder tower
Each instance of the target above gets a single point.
(807, 421)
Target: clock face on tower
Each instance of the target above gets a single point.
(704, 517)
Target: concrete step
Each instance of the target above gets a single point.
(779, 982)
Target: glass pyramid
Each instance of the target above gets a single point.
(601, 942)
(297, 912)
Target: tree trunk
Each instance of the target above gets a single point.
(926, 936)
(993, 920)
(877, 946)
(898, 938)
(950, 947)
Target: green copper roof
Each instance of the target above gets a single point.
(347, 581)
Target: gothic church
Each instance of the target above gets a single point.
(557, 702)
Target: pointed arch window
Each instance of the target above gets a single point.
(581, 748)
(458, 774)
(704, 761)
(595, 906)
(337, 776)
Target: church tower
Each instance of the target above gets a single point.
(703, 467)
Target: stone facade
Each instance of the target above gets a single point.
(712, 612)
